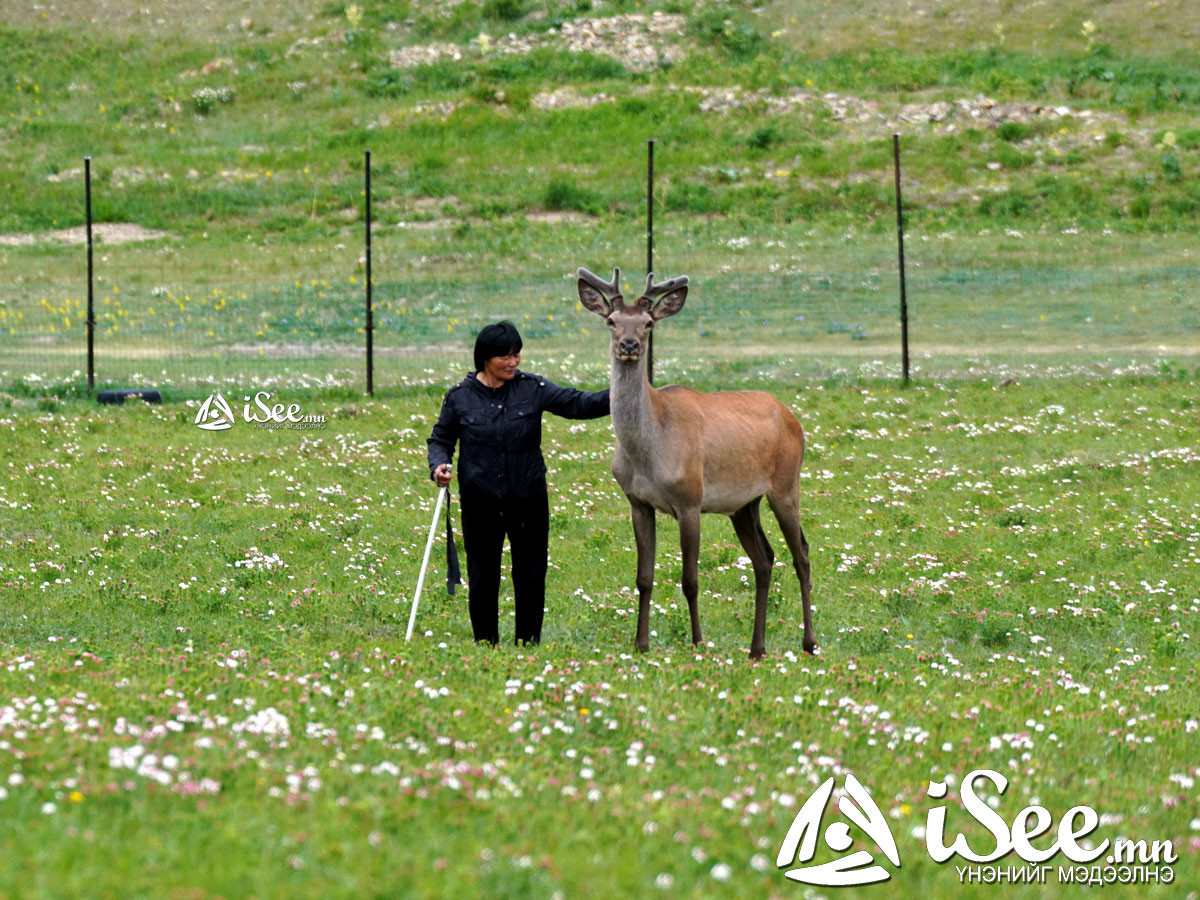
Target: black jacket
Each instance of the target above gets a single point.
(500, 433)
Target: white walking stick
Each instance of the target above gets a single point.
(437, 512)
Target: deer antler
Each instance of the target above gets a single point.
(610, 290)
(654, 291)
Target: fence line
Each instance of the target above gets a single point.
(809, 317)
(794, 324)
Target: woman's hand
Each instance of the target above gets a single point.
(441, 476)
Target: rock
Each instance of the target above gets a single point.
(65, 175)
(639, 42)
(216, 65)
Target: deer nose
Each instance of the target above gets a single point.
(628, 346)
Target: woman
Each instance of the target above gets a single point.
(495, 415)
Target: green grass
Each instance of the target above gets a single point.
(481, 191)
(1004, 568)
(279, 161)
(1004, 577)
(995, 305)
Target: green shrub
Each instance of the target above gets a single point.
(715, 27)
(1185, 138)
(565, 194)
(205, 99)
(1013, 131)
(1011, 158)
(765, 136)
(1005, 206)
(1170, 167)
(694, 197)
(504, 10)
(545, 65)
(390, 83)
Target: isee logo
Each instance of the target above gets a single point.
(858, 868)
(1128, 862)
(216, 415)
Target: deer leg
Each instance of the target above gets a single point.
(748, 525)
(644, 536)
(689, 544)
(786, 510)
(804, 573)
(762, 535)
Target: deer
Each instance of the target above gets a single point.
(683, 452)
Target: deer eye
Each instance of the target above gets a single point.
(609, 322)
(649, 326)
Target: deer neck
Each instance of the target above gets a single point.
(631, 407)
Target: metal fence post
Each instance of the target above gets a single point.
(650, 243)
(91, 314)
(370, 329)
(900, 238)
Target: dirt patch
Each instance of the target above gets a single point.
(430, 224)
(102, 233)
(336, 350)
(569, 98)
(557, 217)
(641, 43)
(431, 205)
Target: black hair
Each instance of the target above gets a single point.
(498, 339)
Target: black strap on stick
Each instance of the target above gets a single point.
(453, 573)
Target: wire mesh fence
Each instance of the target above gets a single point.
(783, 302)
(786, 301)
(798, 323)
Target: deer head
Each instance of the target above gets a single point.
(631, 325)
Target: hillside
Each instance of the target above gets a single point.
(516, 131)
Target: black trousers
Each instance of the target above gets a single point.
(526, 523)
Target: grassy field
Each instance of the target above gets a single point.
(509, 141)
(783, 307)
(207, 690)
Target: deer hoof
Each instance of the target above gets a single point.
(758, 653)
(810, 647)
(642, 647)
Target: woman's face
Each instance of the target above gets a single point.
(502, 368)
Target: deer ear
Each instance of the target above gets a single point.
(670, 304)
(594, 300)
